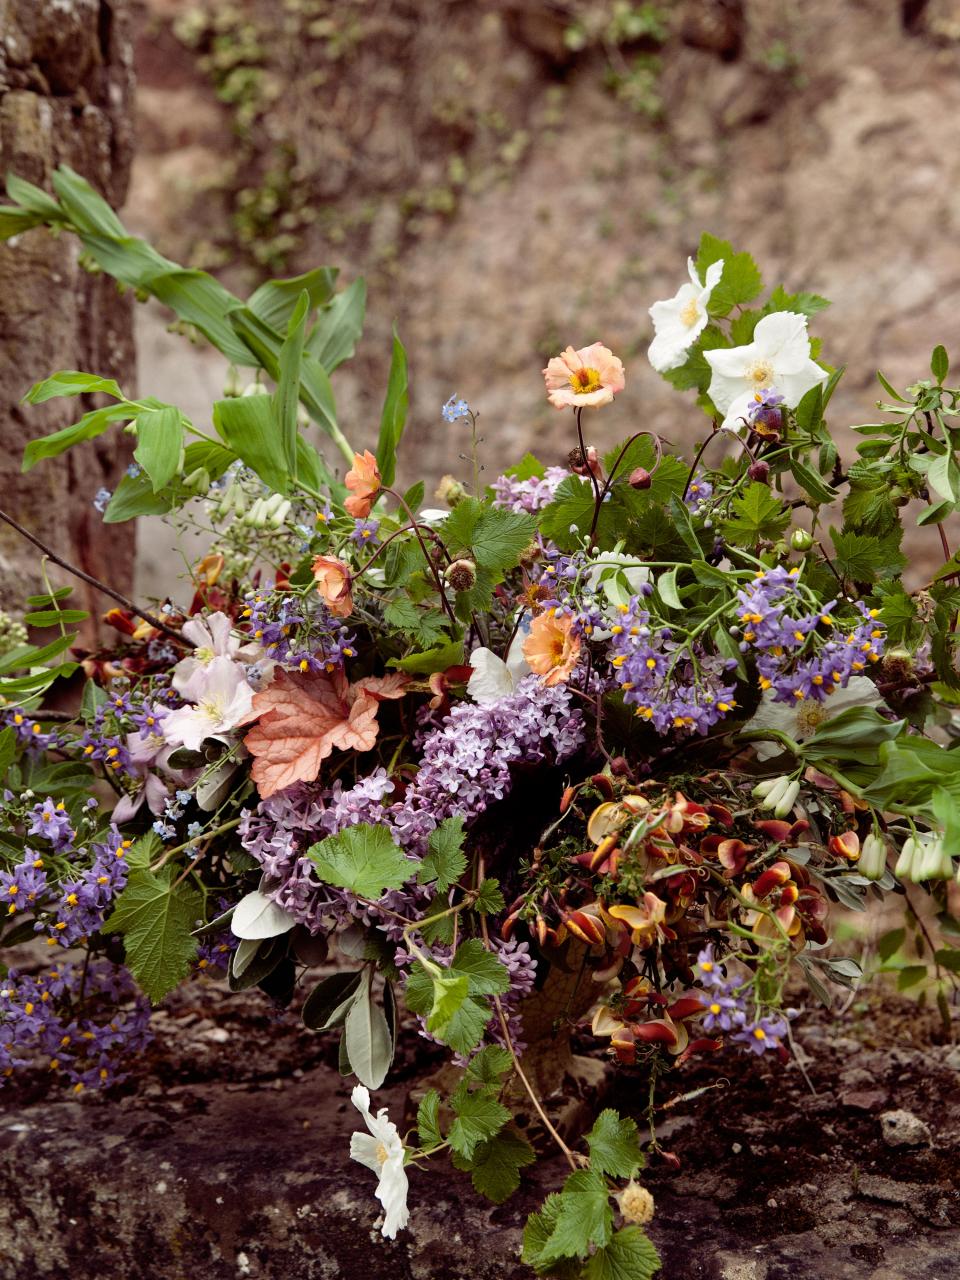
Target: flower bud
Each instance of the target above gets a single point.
(461, 575)
(640, 478)
(787, 800)
(636, 1204)
(450, 491)
(873, 857)
(801, 540)
(904, 870)
(198, 480)
(759, 471)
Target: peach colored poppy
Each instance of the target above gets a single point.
(552, 647)
(591, 376)
(363, 479)
(333, 583)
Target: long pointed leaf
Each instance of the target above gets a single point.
(287, 398)
(394, 416)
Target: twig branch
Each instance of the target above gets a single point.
(95, 583)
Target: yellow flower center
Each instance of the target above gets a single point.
(690, 313)
(760, 373)
(585, 380)
(811, 715)
(759, 1033)
(383, 1155)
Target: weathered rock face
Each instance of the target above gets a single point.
(66, 84)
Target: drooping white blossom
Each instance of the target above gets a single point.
(222, 698)
(494, 678)
(382, 1152)
(801, 720)
(778, 359)
(679, 321)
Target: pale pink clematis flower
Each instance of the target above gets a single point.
(213, 637)
(222, 699)
(590, 377)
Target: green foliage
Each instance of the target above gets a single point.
(496, 1163)
(394, 415)
(460, 1013)
(741, 280)
(159, 444)
(445, 861)
(363, 859)
(759, 515)
(863, 558)
(156, 917)
(615, 1146)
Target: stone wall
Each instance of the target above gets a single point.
(66, 86)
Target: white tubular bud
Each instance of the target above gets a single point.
(873, 857)
(787, 800)
(255, 516)
(763, 789)
(279, 516)
(905, 863)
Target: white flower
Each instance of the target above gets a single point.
(778, 359)
(382, 1151)
(800, 720)
(493, 678)
(680, 320)
(222, 698)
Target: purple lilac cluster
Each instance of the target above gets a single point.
(40, 1026)
(727, 1009)
(677, 688)
(522, 968)
(280, 624)
(529, 495)
(465, 766)
(782, 634)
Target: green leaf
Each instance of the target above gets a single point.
(394, 415)
(248, 424)
(90, 426)
(363, 859)
(477, 1116)
(584, 1217)
(425, 625)
(667, 589)
(536, 1233)
(809, 412)
(156, 920)
(948, 957)
(33, 198)
(334, 337)
(759, 515)
(630, 1255)
(910, 976)
(487, 975)
(939, 364)
(367, 1037)
(862, 557)
(810, 481)
(490, 1065)
(330, 1001)
(449, 993)
(425, 664)
(943, 476)
(287, 398)
(445, 861)
(275, 301)
(850, 733)
(496, 1164)
(808, 304)
(265, 343)
(868, 508)
(492, 536)
(428, 1120)
(134, 496)
(159, 443)
(615, 1146)
(8, 749)
(69, 382)
(741, 280)
(54, 617)
(489, 900)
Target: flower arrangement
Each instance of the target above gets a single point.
(600, 744)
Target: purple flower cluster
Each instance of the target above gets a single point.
(51, 821)
(85, 901)
(765, 414)
(793, 659)
(530, 495)
(676, 687)
(699, 490)
(28, 732)
(465, 766)
(727, 1009)
(40, 1026)
(298, 638)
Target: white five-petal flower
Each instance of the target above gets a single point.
(680, 320)
(777, 359)
(801, 720)
(382, 1151)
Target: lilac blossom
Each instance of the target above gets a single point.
(529, 495)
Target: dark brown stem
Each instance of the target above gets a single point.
(94, 582)
(426, 555)
(382, 547)
(699, 454)
(585, 461)
(658, 446)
